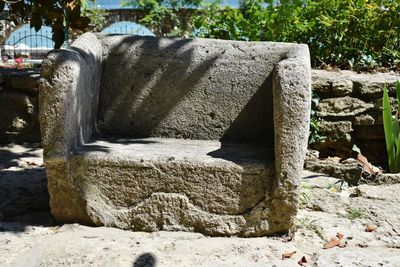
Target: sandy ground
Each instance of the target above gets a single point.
(30, 237)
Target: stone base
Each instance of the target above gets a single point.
(155, 184)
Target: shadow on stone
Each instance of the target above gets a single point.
(24, 198)
(145, 260)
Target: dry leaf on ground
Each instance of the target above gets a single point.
(302, 261)
(370, 228)
(332, 243)
(368, 167)
(340, 236)
(336, 241)
(288, 254)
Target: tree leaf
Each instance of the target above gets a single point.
(340, 236)
(370, 228)
(80, 23)
(302, 261)
(58, 37)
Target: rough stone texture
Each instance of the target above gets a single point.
(224, 91)
(18, 106)
(196, 89)
(23, 183)
(350, 83)
(336, 131)
(365, 119)
(32, 239)
(324, 83)
(177, 184)
(359, 101)
(26, 81)
(19, 119)
(350, 171)
(342, 107)
(386, 178)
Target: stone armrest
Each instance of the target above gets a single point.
(68, 96)
(291, 101)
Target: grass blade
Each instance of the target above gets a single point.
(398, 95)
(388, 128)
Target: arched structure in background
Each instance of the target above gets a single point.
(127, 27)
(28, 36)
(26, 42)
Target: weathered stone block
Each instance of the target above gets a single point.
(26, 81)
(19, 119)
(342, 107)
(364, 120)
(335, 126)
(342, 87)
(224, 127)
(350, 171)
(371, 85)
(336, 130)
(331, 83)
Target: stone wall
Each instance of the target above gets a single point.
(350, 112)
(19, 106)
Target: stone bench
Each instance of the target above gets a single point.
(150, 134)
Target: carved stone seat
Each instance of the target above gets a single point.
(150, 134)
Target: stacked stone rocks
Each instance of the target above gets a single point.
(350, 112)
(19, 106)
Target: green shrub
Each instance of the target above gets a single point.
(167, 17)
(350, 34)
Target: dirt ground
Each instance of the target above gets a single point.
(30, 237)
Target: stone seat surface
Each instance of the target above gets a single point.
(209, 152)
(221, 178)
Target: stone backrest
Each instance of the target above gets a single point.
(193, 89)
(213, 133)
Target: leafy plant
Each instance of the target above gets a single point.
(392, 129)
(167, 17)
(355, 213)
(304, 199)
(315, 135)
(97, 18)
(63, 16)
(352, 34)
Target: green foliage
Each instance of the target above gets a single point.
(392, 130)
(355, 213)
(97, 18)
(166, 17)
(315, 135)
(304, 199)
(353, 34)
(63, 16)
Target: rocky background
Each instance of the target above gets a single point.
(347, 108)
(19, 106)
(349, 112)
